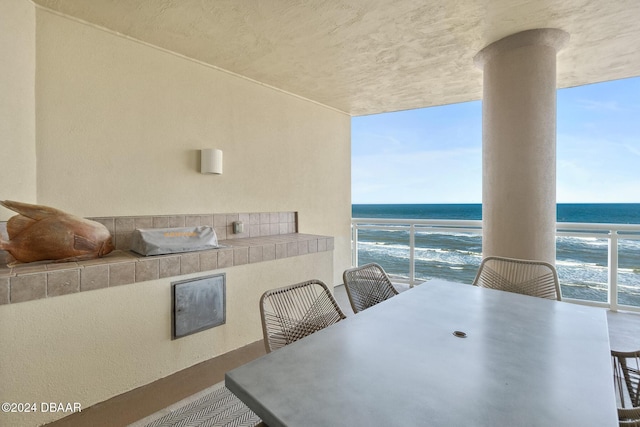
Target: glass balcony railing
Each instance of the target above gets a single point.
(598, 264)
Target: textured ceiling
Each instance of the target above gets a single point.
(372, 56)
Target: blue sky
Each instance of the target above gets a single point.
(434, 155)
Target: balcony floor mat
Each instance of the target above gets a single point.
(215, 406)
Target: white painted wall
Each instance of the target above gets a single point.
(118, 125)
(17, 106)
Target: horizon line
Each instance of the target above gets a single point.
(479, 203)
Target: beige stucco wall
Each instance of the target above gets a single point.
(90, 346)
(118, 126)
(17, 107)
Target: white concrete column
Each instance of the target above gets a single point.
(519, 144)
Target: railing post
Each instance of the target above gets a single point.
(412, 255)
(354, 243)
(613, 270)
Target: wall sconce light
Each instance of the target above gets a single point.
(211, 161)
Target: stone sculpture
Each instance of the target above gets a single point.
(44, 233)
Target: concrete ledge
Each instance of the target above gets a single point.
(37, 280)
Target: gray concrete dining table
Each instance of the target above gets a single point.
(441, 354)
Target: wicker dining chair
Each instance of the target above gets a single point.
(626, 378)
(534, 278)
(296, 311)
(367, 286)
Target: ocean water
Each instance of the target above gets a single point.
(581, 262)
